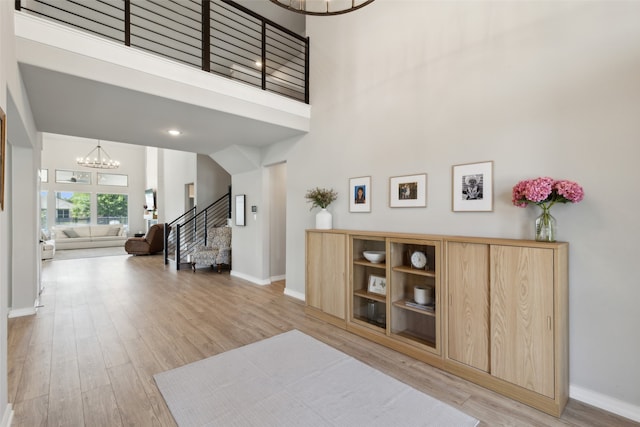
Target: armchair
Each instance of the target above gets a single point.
(217, 251)
(152, 243)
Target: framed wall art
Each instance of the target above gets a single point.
(3, 147)
(360, 194)
(240, 210)
(472, 189)
(408, 191)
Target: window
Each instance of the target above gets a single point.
(113, 179)
(44, 175)
(43, 211)
(113, 209)
(73, 177)
(73, 208)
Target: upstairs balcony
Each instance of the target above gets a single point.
(217, 36)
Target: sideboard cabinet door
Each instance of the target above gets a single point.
(326, 284)
(468, 311)
(522, 323)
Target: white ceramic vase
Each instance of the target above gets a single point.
(324, 220)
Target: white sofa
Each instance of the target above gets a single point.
(47, 246)
(89, 236)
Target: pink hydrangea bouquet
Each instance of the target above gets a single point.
(545, 192)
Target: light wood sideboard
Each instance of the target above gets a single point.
(500, 312)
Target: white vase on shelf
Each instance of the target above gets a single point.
(324, 220)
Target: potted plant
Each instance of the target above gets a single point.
(322, 198)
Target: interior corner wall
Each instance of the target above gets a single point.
(276, 208)
(539, 88)
(212, 181)
(176, 169)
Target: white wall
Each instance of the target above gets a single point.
(540, 88)
(25, 233)
(276, 208)
(250, 249)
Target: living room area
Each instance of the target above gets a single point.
(88, 211)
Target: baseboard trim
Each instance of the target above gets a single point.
(278, 278)
(604, 402)
(22, 312)
(8, 416)
(294, 294)
(251, 279)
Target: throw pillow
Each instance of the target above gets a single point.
(71, 233)
(113, 231)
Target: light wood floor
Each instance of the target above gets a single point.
(108, 324)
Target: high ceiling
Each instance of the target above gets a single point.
(79, 85)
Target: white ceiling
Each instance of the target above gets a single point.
(80, 85)
(71, 105)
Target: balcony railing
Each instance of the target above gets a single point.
(218, 36)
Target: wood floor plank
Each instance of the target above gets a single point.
(101, 408)
(35, 372)
(91, 364)
(31, 412)
(133, 403)
(113, 352)
(109, 324)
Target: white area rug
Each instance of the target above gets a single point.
(293, 379)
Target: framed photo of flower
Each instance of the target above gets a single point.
(377, 285)
(409, 191)
(472, 189)
(360, 194)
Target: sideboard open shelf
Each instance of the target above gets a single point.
(368, 309)
(475, 322)
(416, 325)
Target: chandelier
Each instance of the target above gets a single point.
(98, 159)
(322, 7)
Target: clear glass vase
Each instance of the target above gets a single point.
(545, 227)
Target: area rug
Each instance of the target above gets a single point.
(293, 379)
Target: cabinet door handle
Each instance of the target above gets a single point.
(549, 322)
(450, 299)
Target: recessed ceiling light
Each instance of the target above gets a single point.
(174, 132)
(258, 64)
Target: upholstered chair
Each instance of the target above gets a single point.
(150, 244)
(217, 251)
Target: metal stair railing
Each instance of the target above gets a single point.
(184, 234)
(217, 36)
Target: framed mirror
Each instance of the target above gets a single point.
(240, 214)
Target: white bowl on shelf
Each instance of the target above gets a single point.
(374, 257)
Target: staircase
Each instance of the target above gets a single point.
(189, 230)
